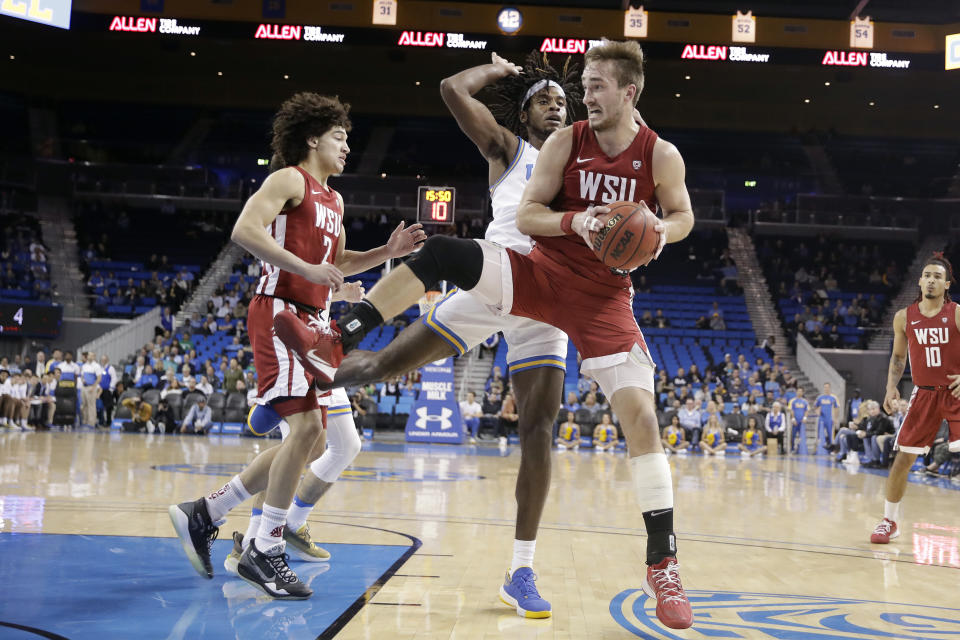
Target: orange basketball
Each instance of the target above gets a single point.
(627, 239)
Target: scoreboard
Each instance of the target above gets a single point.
(436, 205)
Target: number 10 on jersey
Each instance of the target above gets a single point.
(933, 356)
(435, 205)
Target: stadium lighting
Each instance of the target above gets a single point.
(193, 54)
(219, 73)
(417, 83)
(676, 95)
(806, 100)
(826, 84)
(936, 106)
(286, 77)
(872, 103)
(13, 57)
(686, 77)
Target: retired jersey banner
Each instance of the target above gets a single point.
(436, 415)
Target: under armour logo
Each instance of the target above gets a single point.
(443, 418)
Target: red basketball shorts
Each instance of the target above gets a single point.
(281, 380)
(928, 408)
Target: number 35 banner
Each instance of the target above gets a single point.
(635, 23)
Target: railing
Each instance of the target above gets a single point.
(819, 371)
(125, 339)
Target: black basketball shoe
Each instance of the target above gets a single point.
(269, 572)
(196, 532)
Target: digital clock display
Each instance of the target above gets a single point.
(435, 205)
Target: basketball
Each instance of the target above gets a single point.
(627, 239)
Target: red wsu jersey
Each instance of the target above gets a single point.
(934, 345)
(592, 178)
(310, 231)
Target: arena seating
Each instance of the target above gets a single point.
(845, 271)
(894, 167)
(24, 274)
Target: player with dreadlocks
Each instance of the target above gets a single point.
(929, 329)
(530, 102)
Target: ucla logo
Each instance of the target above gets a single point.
(726, 614)
(443, 418)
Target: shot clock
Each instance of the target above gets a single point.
(436, 205)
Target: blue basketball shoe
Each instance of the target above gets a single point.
(519, 591)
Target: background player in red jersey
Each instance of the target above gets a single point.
(561, 282)
(929, 330)
(294, 225)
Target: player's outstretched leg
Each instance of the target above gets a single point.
(537, 391)
(455, 260)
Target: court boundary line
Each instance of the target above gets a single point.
(344, 618)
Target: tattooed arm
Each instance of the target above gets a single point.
(898, 361)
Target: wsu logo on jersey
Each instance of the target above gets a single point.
(933, 335)
(443, 418)
(614, 187)
(328, 220)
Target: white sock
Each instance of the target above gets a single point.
(270, 533)
(297, 515)
(652, 481)
(219, 503)
(522, 554)
(253, 527)
(891, 511)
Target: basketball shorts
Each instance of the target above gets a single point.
(464, 321)
(601, 325)
(927, 410)
(281, 380)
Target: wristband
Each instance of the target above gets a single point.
(566, 222)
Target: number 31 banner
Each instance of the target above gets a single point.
(385, 12)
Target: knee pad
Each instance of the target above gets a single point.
(455, 260)
(343, 445)
(262, 419)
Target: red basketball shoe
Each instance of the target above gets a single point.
(663, 584)
(885, 531)
(316, 347)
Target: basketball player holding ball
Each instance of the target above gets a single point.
(608, 158)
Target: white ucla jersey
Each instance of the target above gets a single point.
(505, 196)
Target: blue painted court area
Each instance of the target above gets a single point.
(76, 587)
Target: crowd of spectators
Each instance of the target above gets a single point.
(825, 287)
(23, 259)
